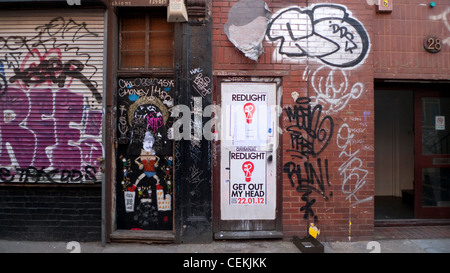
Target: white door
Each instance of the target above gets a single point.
(248, 151)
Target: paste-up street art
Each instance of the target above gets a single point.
(246, 26)
(327, 32)
(51, 102)
(145, 153)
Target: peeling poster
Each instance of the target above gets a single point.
(246, 26)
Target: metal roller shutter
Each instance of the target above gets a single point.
(51, 89)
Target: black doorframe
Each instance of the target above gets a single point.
(193, 192)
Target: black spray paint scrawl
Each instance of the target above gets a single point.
(246, 26)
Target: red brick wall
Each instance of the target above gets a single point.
(398, 41)
(350, 150)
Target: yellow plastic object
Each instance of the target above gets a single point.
(313, 231)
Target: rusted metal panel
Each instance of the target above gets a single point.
(51, 96)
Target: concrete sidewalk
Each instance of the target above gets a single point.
(251, 246)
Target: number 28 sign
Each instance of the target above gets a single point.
(432, 44)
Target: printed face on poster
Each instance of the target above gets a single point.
(248, 185)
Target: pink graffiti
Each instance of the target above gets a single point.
(48, 129)
(154, 122)
(18, 142)
(32, 61)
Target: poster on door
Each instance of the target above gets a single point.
(247, 162)
(248, 119)
(248, 184)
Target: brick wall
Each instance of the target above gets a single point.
(50, 213)
(398, 41)
(331, 184)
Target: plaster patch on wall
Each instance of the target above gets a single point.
(246, 26)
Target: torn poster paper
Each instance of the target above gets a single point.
(246, 26)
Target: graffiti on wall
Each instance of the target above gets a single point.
(332, 88)
(311, 130)
(445, 18)
(352, 168)
(145, 153)
(327, 32)
(330, 35)
(50, 105)
(336, 42)
(201, 83)
(310, 133)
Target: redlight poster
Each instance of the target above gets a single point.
(248, 165)
(248, 178)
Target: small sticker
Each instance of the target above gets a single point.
(129, 201)
(440, 123)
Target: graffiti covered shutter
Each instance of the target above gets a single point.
(51, 73)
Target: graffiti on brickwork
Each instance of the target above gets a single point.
(359, 126)
(445, 18)
(310, 133)
(332, 88)
(50, 106)
(315, 178)
(145, 153)
(352, 168)
(327, 32)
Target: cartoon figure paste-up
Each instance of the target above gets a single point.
(148, 160)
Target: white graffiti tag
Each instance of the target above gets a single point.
(326, 32)
(352, 169)
(332, 88)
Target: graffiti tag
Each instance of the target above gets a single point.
(326, 32)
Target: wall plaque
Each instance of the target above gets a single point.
(432, 44)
